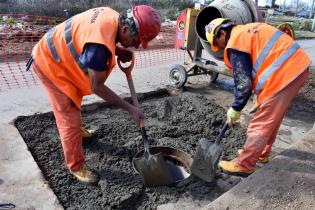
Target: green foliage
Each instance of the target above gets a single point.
(171, 14)
(185, 4)
(53, 21)
(304, 25)
(75, 10)
(10, 20)
(120, 7)
(3, 9)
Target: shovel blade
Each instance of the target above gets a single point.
(153, 170)
(206, 160)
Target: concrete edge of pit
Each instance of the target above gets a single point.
(287, 182)
(141, 96)
(21, 180)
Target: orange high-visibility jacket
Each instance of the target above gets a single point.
(58, 52)
(276, 58)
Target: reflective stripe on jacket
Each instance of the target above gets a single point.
(58, 52)
(276, 58)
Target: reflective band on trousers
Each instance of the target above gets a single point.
(69, 42)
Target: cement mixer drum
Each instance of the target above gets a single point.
(239, 11)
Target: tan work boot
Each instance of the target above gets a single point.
(86, 134)
(261, 159)
(86, 176)
(233, 168)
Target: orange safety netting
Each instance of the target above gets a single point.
(19, 33)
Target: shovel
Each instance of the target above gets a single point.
(207, 156)
(152, 167)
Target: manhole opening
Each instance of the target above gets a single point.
(177, 169)
(177, 162)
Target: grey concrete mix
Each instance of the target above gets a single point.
(173, 121)
(22, 183)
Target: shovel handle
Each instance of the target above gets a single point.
(134, 96)
(127, 71)
(220, 136)
(136, 103)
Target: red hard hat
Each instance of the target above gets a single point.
(148, 21)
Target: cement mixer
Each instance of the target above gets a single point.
(190, 36)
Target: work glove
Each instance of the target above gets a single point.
(232, 116)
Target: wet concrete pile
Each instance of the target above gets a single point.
(176, 121)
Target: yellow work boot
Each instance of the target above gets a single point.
(233, 168)
(261, 159)
(86, 134)
(86, 176)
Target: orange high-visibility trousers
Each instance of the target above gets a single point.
(263, 128)
(68, 120)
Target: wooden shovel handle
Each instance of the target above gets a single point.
(134, 97)
(127, 70)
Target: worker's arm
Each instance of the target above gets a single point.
(95, 58)
(242, 67)
(100, 89)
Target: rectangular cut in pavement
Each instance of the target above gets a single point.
(21, 181)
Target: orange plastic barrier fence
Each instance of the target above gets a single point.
(19, 33)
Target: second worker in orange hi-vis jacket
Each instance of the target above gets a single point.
(75, 58)
(264, 61)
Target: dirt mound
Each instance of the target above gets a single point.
(177, 121)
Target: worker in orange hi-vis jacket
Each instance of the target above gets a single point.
(269, 63)
(75, 58)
